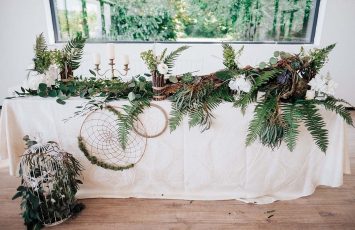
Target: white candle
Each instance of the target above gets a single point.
(125, 60)
(97, 59)
(111, 51)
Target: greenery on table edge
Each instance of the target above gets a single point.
(33, 204)
(277, 115)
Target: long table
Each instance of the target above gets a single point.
(186, 164)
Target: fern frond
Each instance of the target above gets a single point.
(127, 118)
(265, 77)
(40, 46)
(319, 57)
(229, 57)
(73, 51)
(176, 117)
(246, 98)
(291, 117)
(335, 105)
(171, 58)
(314, 124)
(262, 113)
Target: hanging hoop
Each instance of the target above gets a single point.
(155, 121)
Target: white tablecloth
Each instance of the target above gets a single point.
(186, 164)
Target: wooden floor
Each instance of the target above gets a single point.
(327, 208)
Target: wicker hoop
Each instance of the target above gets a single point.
(161, 131)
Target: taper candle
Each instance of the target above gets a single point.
(111, 51)
(125, 60)
(97, 59)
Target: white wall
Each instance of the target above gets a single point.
(22, 20)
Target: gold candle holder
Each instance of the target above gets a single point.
(113, 70)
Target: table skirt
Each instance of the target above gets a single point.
(186, 164)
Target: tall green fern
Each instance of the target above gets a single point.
(314, 124)
(291, 117)
(171, 58)
(73, 51)
(262, 114)
(128, 117)
(333, 104)
(40, 46)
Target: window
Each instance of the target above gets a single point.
(260, 21)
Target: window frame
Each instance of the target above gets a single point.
(311, 42)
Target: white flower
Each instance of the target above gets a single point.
(163, 68)
(323, 84)
(240, 83)
(52, 74)
(34, 79)
(48, 80)
(332, 85)
(52, 200)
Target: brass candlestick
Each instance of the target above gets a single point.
(113, 70)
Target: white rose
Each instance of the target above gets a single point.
(240, 83)
(163, 68)
(323, 84)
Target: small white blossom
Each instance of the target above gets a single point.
(240, 83)
(323, 84)
(163, 68)
(52, 200)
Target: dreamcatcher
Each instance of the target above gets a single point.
(99, 140)
(99, 137)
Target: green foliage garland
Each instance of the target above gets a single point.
(96, 161)
(278, 113)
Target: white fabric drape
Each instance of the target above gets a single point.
(186, 164)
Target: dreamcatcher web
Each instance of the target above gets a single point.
(100, 134)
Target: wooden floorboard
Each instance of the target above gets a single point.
(327, 208)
